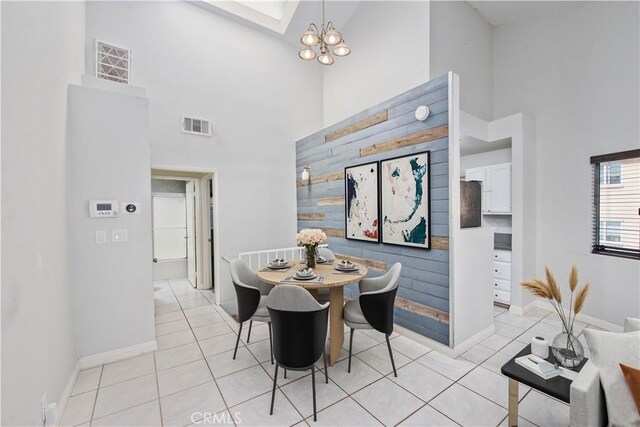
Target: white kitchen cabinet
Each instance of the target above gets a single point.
(499, 183)
(502, 276)
(496, 187)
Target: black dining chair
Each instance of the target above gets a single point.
(299, 333)
(252, 297)
(374, 307)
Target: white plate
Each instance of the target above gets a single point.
(279, 266)
(309, 277)
(343, 268)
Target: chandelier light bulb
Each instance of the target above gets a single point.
(307, 54)
(309, 38)
(325, 59)
(341, 49)
(332, 37)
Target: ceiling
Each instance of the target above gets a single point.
(274, 9)
(288, 18)
(504, 12)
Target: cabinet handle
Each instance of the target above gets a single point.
(495, 271)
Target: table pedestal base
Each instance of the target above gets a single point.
(336, 328)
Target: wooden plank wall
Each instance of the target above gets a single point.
(385, 131)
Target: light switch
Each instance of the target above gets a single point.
(101, 236)
(119, 235)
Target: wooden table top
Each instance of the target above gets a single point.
(332, 279)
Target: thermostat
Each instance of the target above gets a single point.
(130, 207)
(103, 208)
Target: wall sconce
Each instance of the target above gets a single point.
(306, 173)
(422, 112)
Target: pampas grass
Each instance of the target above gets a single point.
(551, 291)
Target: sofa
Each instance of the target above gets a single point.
(588, 407)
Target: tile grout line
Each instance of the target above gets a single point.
(95, 402)
(155, 365)
(206, 362)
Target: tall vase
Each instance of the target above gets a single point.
(567, 350)
(312, 251)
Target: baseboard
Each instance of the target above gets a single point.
(521, 311)
(475, 339)
(421, 339)
(66, 395)
(94, 360)
(584, 318)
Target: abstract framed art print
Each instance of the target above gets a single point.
(405, 200)
(361, 202)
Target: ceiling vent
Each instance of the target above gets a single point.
(112, 62)
(196, 126)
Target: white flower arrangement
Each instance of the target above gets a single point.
(311, 236)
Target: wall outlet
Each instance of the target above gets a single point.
(119, 235)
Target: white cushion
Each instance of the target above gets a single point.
(608, 350)
(631, 324)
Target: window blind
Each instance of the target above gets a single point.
(616, 204)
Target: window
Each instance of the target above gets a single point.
(112, 62)
(616, 204)
(611, 231)
(611, 173)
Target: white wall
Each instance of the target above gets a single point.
(576, 72)
(41, 53)
(259, 95)
(461, 41)
(110, 159)
(390, 55)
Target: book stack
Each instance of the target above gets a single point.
(539, 366)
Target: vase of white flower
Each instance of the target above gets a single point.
(310, 238)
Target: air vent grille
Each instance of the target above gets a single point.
(196, 126)
(112, 62)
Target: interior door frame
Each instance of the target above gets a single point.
(203, 246)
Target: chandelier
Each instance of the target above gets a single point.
(327, 37)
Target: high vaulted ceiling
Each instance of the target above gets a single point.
(504, 12)
(288, 18)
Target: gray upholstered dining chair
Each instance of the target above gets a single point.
(252, 297)
(374, 307)
(323, 294)
(299, 333)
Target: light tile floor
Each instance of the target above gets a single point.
(192, 380)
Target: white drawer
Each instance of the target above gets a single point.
(502, 296)
(502, 270)
(502, 285)
(500, 255)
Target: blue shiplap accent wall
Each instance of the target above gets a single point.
(425, 273)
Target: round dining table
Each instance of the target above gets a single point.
(328, 278)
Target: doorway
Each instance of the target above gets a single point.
(183, 219)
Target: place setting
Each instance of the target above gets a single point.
(278, 264)
(346, 267)
(305, 275)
